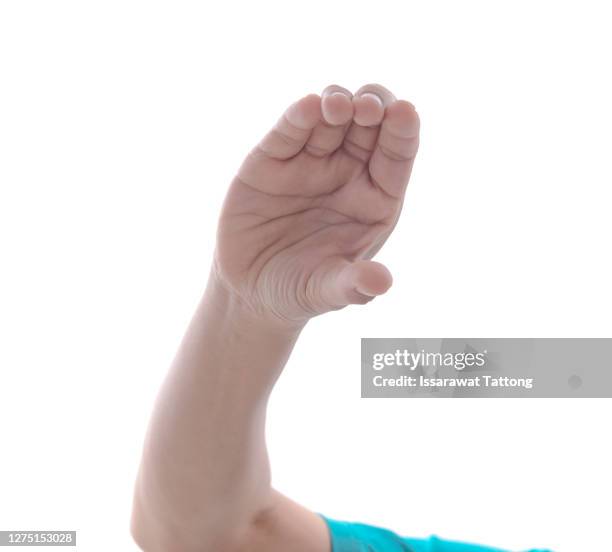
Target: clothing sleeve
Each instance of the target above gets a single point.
(359, 537)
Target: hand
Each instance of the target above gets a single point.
(314, 201)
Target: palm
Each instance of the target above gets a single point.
(312, 199)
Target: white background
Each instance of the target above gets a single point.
(121, 125)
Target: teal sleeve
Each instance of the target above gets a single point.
(359, 537)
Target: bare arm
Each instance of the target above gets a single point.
(204, 482)
(310, 206)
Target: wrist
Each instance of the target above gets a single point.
(243, 315)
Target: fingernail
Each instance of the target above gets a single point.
(374, 96)
(358, 290)
(338, 94)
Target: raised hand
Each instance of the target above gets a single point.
(314, 201)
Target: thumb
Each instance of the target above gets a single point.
(344, 283)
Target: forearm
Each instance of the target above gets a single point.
(204, 471)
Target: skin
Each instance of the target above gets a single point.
(309, 207)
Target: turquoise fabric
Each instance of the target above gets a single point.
(359, 537)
